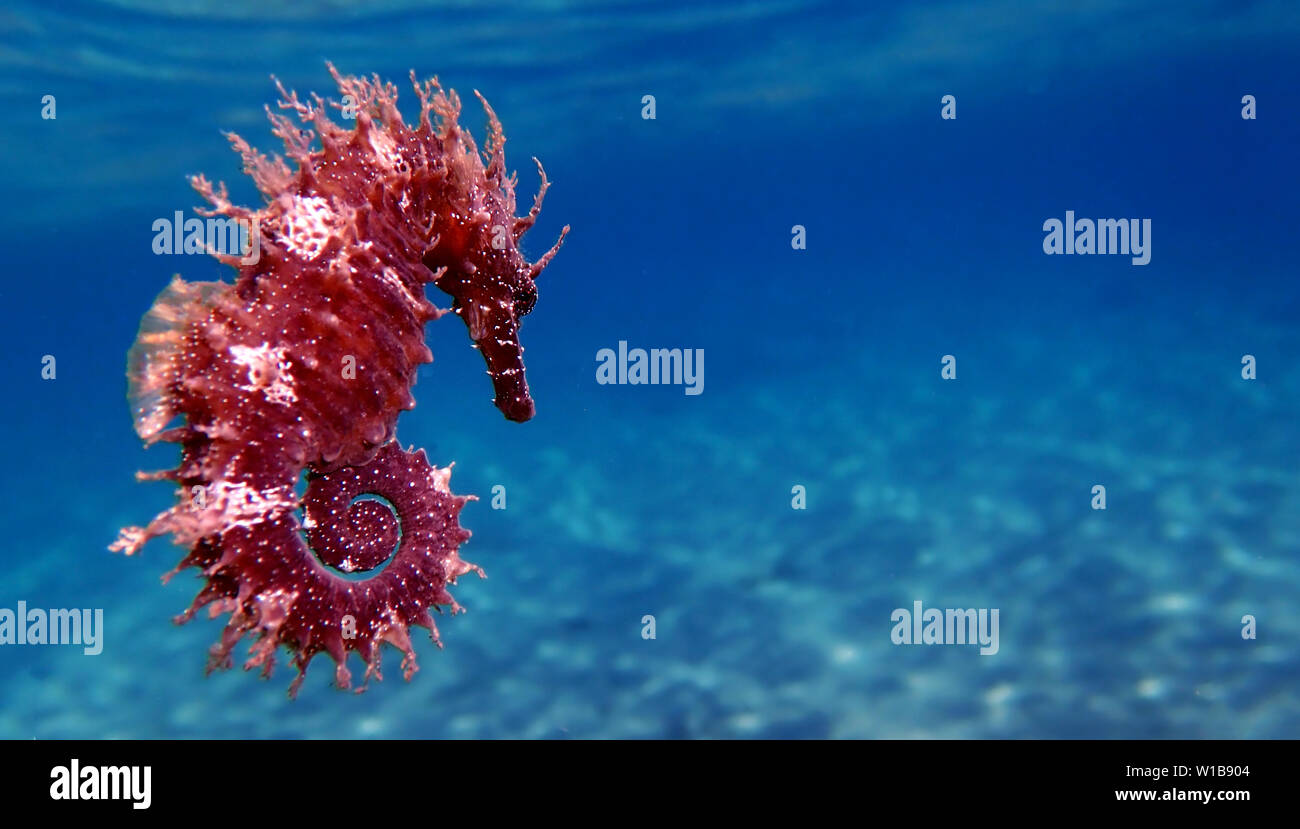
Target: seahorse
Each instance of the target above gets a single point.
(298, 370)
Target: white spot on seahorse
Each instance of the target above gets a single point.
(239, 505)
(268, 370)
(309, 223)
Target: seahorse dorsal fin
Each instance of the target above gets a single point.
(151, 362)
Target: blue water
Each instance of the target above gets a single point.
(822, 367)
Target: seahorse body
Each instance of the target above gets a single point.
(302, 365)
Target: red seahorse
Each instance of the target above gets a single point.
(302, 365)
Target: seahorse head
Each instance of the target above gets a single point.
(475, 254)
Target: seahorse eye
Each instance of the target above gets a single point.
(525, 298)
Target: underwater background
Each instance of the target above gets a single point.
(924, 238)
